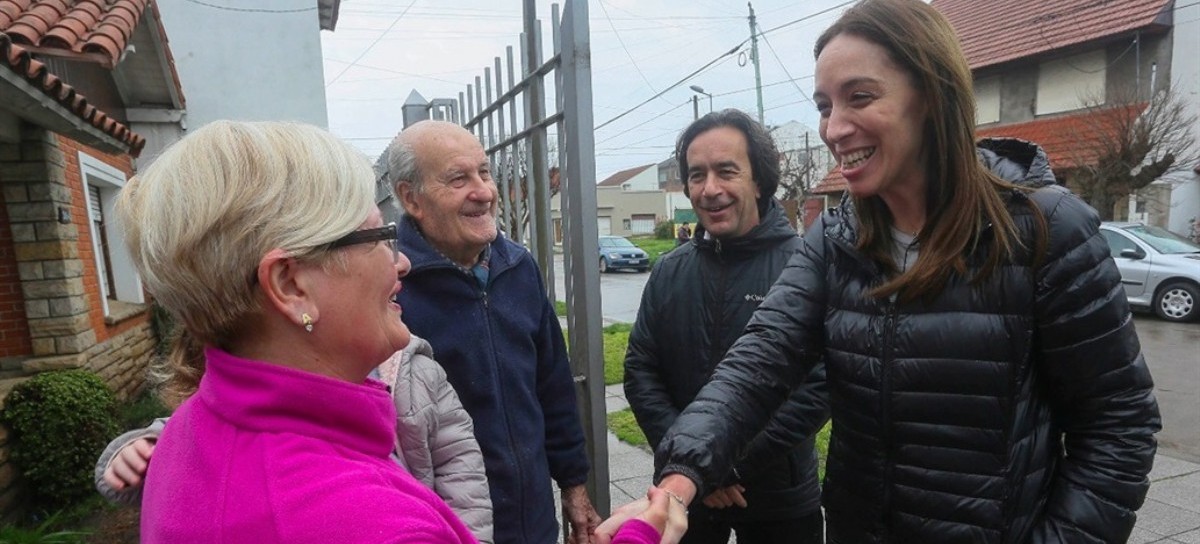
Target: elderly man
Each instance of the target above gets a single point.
(696, 303)
(478, 298)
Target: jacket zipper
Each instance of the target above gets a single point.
(885, 393)
(512, 446)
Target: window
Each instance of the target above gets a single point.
(625, 224)
(1071, 83)
(642, 224)
(1117, 243)
(119, 280)
(987, 100)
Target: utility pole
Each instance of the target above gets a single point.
(695, 107)
(754, 57)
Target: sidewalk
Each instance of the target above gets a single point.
(1171, 513)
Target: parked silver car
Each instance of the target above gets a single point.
(1159, 269)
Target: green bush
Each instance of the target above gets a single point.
(664, 230)
(60, 422)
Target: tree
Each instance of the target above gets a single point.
(1128, 143)
(800, 170)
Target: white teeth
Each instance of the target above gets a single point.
(852, 160)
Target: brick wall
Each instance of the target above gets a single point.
(14, 331)
(79, 214)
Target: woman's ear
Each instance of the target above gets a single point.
(284, 283)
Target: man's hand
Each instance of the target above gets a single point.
(726, 497)
(128, 466)
(580, 515)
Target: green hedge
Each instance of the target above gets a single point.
(60, 422)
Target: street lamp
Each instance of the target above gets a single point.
(696, 103)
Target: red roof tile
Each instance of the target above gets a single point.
(1072, 139)
(833, 182)
(992, 32)
(99, 27)
(617, 179)
(20, 61)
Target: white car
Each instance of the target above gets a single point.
(1160, 270)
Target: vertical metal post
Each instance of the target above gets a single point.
(538, 174)
(582, 246)
(754, 57)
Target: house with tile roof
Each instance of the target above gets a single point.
(81, 80)
(76, 98)
(1071, 76)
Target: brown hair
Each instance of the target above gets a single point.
(962, 195)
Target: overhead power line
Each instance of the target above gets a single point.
(673, 85)
(623, 46)
(733, 50)
(373, 44)
(251, 10)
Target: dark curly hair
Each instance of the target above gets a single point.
(764, 156)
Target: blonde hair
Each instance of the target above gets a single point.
(202, 216)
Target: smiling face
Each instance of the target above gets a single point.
(721, 183)
(456, 201)
(357, 308)
(872, 119)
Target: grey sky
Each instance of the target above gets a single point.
(383, 49)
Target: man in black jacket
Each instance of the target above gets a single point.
(696, 303)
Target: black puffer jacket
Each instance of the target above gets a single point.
(694, 306)
(1019, 410)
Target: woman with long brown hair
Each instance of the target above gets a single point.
(986, 382)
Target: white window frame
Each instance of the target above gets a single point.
(110, 181)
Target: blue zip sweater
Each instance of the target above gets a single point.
(503, 352)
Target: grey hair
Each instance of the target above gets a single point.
(401, 166)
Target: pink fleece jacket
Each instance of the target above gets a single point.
(264, 454)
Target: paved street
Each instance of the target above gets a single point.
(1173, 353)
(620, 292)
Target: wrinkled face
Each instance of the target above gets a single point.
(456, 203)
(358, 312)
(721, 184)
(872, 118)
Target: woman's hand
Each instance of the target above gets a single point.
(666, 513)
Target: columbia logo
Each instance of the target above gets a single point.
(755, 298)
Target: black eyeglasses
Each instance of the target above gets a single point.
(386, 233)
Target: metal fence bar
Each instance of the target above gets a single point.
(542, 70)
(581, 246)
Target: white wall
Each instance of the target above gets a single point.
(646, 180)
(1069, 83)
(247, 65)
(1185, 73)
(987, 100)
